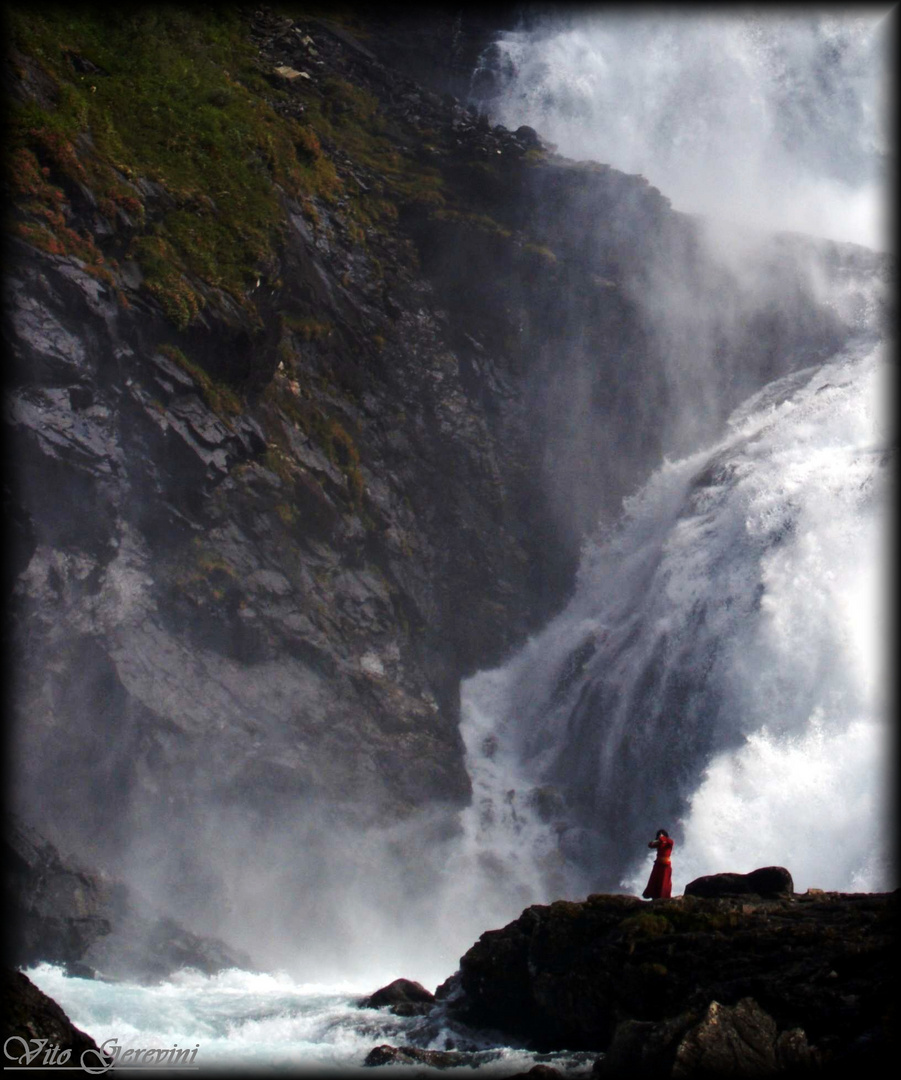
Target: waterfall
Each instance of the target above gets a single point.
(721, 668)
(720, 671)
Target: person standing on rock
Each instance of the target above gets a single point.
(660, 883)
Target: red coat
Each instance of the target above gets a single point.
(660, 883)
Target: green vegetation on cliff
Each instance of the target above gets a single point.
(156, 102)
(178, 137)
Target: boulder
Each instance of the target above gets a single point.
(769, 881)
(528, 136)
(412, 1055)
(403, 997)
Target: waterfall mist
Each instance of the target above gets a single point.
(773, 120)
(721, 671)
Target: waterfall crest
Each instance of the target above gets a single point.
(780, 121)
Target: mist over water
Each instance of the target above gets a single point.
(720, 671)
(780, 121)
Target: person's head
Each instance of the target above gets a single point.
(661, 832)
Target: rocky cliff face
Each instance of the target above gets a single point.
(316, 382)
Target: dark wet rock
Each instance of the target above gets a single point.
(645, 1049)
(740, 1040)
(30, 1015)
(547, 802)
(769, 881)
(58, 910)
(528, 136)
(727, 1041)
(413, 1055)
(403, 997)
(779, 984)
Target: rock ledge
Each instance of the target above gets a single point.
(684, 986)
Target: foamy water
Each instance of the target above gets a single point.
(236, 1016)
(265, 1023)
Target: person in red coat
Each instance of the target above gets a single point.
(660, 883)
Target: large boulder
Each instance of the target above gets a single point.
(769, 881)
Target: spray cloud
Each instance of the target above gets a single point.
(779, 121)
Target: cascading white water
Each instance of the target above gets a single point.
(723, 659)
(722, 662)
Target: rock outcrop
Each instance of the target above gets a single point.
(403, 997)
(727, 1041)
(690, 986)
(57, 911)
